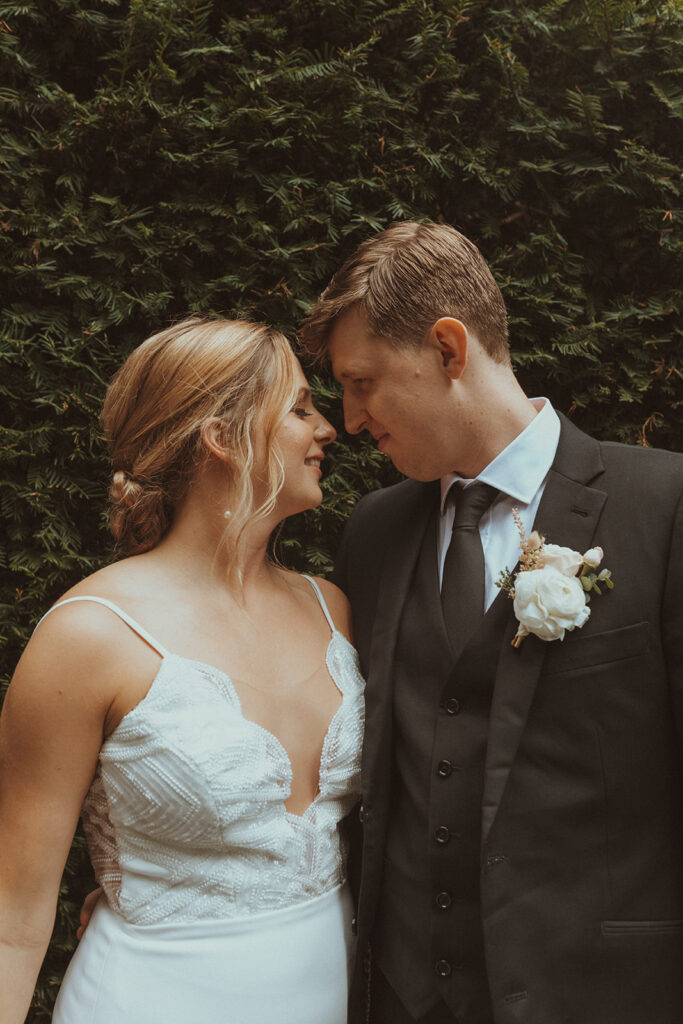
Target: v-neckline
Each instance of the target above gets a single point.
(226, 679)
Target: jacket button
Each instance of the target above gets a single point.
(452, 706)
(444, 900)
(442, 968)
(361, 814)
(444, 769)
(354, 925)
(442, 834)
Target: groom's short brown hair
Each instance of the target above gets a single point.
(404, 279)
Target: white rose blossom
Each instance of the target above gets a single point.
(565, 560)
(549, 602)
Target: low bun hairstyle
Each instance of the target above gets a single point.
(138, 518)
(158, 403)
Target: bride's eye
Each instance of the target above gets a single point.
(301, 412)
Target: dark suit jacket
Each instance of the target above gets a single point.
(582, 817)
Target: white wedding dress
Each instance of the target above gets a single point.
(221, 907)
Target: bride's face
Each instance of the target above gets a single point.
(301, 440)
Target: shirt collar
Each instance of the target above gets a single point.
(520, 469)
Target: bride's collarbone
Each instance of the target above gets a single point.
(265, 651)
(278, 664)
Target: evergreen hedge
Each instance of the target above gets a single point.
(163, 156)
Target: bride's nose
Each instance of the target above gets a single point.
(324, 431)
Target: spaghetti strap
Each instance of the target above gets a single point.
(142, 633)
(321, 601)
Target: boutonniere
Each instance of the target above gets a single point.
(552, 587)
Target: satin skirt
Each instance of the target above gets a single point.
(289, 966)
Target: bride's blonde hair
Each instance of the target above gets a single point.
(158, 403)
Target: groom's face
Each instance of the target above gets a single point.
(397, 394)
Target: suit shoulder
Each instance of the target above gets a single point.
(380, 512)
(653, 456)
(657, 467)
(389, 497)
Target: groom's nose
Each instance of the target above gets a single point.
(355, 416)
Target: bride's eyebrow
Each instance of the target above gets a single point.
(303, 395)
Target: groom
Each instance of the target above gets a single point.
(522, 820)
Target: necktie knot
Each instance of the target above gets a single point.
(471, 503)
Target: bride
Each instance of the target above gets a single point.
(199, 706)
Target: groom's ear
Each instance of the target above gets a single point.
(449, 337)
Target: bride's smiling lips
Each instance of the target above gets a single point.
(314, 462)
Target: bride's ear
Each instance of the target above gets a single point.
(214, 439)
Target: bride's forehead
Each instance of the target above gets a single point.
(299, 375)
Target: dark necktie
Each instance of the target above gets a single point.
(462, 591)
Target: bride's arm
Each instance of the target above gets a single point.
(51, 730)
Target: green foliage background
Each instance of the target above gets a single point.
(163, 156)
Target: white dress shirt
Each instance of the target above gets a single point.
(519, 472)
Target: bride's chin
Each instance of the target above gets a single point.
(304, 504)
(312, 503)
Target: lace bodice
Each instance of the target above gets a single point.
(185, 818)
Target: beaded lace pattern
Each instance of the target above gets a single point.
(186, 819)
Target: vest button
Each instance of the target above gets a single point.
(444, 769)
(442, 834)
(442, 968)
(494, 859)
(444, 900)
(452, 706)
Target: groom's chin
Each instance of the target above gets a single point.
(422, 474)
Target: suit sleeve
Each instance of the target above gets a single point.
(357, 544)
(350, 826)
(340, 572)
(672, 621)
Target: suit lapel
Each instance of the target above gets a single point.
(568, 515)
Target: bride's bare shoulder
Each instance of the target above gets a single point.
(338, 605)
(127, 576)
(82, 655)
(88, 628)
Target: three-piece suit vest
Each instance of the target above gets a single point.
(428, 938)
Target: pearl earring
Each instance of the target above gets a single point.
(227, 513)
